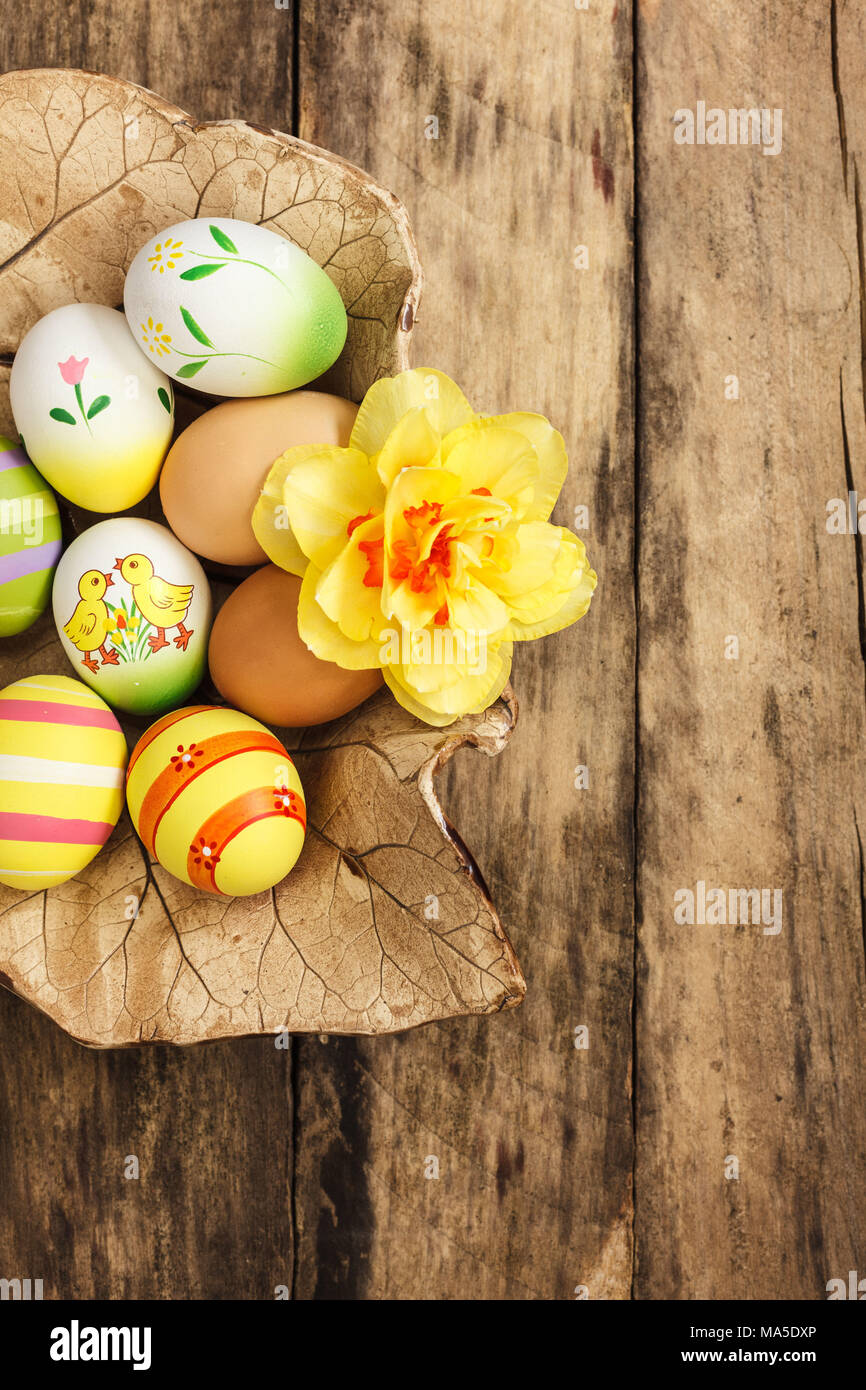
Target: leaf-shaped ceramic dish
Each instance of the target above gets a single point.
(385, 922)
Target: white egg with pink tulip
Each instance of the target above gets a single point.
(96, 416)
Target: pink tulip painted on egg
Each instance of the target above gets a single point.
(72, 372)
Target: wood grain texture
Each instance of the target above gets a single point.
(228, 60)
(209, 1214)
(750, 1045)
(531, 158)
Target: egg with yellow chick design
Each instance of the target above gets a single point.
(132, 607)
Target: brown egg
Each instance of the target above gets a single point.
(214, 472)
(259, 663)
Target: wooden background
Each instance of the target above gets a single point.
(562, 1171)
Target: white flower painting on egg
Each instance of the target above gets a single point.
(201, 302)
(165, 257)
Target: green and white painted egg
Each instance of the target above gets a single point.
(133, 612)
(97, 417)
(30, 541)
(234, 308)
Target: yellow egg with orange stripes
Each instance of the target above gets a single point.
(62, 755)
(215, 798)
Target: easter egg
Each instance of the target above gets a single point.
(215, 798)
(97, 417)
(133, 609)
(30, 541)
(216, 468)
(62, 755)
(259, 662)
(233, 307)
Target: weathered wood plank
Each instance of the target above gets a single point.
(528, 118)
(750, 1046)
(210, 1216)
(215, 61)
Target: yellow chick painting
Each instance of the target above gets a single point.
(90, 624)
(164, 605)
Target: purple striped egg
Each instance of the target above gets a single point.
(29, 540)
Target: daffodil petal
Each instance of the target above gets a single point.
(412, 609)
(559, 602)
(472, 694)
(434, 658)
(550, 451)
(341, 593)
(574, 607)
(389, 399)
(477, 609)
(483, 455)
(413, 443)
(486, 552)
(324, 492)
(322, 635)
(536, 549)
(413, 703)
(427, 677)
(479, 513)
(270, 520)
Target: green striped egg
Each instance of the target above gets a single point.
(30, 541)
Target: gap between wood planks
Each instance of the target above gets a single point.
(849, 477)
(636, 399)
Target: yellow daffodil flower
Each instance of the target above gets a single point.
(425, 547)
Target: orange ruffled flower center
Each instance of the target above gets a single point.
(409, 560)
